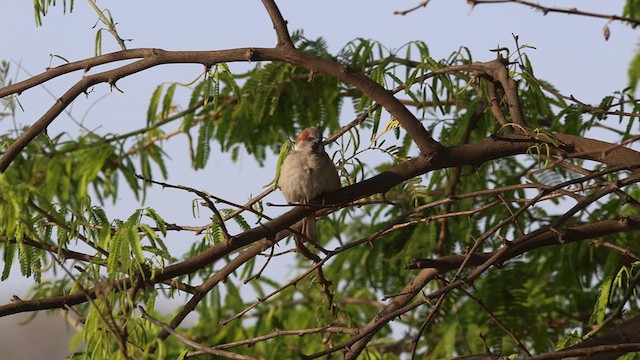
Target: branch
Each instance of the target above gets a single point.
(545, 10)
(422, 4)
(183, 339)
(495, 258)
(53, 249)
(571, 11)
(601, 352)
(154, 57)
(279, 24)
(400, 305)
(499, 256)
(215, 279)
(202, 194)
(278, 332)
(466, 154)
(496, 71)
(111, 27)
(516, 248)
(620, 339)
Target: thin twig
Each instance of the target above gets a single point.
(202, 194)
(615, 314)
(430, 319)
(279, 332)
(422, 4)
(571, 11)
(183, 339)
(497, 321)
(111, 27)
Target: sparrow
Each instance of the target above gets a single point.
(306, 173)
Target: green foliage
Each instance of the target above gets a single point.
(634, 72)
(41, 8)
(631, 9)
(276, 100)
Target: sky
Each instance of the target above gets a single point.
(570, 52)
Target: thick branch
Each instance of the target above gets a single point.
(452, 262)
(155, 57)
(279, 23)
(517, 248)
(468, 154)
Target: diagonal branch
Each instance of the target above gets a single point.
(155, 57)
(202, 194)
(279, 24)
(517, 248)
(497, 257)
(466, 154)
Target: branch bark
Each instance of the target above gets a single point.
(155, 57)
(467, 154)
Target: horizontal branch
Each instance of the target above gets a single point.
(548, 238)
(537, 6)
(570, 11)
(54, 249)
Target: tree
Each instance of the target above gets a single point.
(494, 225)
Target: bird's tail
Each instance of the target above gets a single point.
(308, 228)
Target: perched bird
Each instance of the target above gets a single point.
(308, 172)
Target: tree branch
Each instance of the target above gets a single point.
(545, 10)
(183, 339)
(571, 11)
(279, 24)
(155, 57)
(466, 154)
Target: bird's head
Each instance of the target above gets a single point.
(310, 139)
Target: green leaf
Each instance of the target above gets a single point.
(160, 223)
(131, 228)
(203, 148)
(600, 307)
(25, 255)
(634, 73)
(98, 43)
(195, 97)
(183, 354)
(284, 151)
(208, 87)
(153, 106)
(9, 253)
(115, 246)
(134, 242)
(241, 222)
(167, 101)
(229, 79)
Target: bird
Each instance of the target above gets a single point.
(306, 173)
